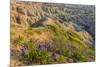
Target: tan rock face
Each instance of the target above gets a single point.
(29, 13)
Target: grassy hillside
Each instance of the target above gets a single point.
(43, 33)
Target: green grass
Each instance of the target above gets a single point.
(60, 39)
(29, 31)
(67, 36)
(61, 59)
(12, 34)
(91, 52)
(77, 43)
(20, 39)
(79, 56)
(33, 55)
(74, 34)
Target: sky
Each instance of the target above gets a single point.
(88, 2)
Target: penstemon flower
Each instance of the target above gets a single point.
(23, 51)
(40, 47)
(54, 56)
(48, 48)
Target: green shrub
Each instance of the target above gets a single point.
(12, 33)
(65, 51)
(53, 28)
(91, 52)
(61, 59)
(78, 55)
(33, 55)
(29, 31)
(74, 34)
(20, 39)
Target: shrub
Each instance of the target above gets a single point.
(65, 51)
(78, 55)
(12, 33)
(91, 52)
(20, 39)
(30, 32)
(33, 54)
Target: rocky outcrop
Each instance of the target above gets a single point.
(28, 13)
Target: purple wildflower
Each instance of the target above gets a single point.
(23, 51)
(54, 56)
(45, 46)
(48, 48)
(40, 47)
